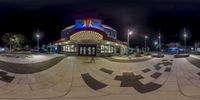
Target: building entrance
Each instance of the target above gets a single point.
(87, 50)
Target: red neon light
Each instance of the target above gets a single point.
(87, 22)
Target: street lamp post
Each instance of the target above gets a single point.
(50, 48)
(159, 37)
(185, 36)
(38, 40)
(129, 33)
(156, 43)
(145, 42)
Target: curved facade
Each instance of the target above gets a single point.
(89, 37)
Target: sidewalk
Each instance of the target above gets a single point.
(128, 59)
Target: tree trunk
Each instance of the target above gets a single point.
(10, 48)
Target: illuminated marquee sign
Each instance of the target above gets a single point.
(86, 35)
(85, 23)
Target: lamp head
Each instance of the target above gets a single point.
(37, 35)
(185, 35)
(155, 43)
(146, 37)
(130, 33)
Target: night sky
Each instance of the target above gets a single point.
(142, 16)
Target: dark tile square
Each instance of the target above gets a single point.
(126, 84)
(167, 63)
(194, 61)
(129, 76)
(198, 73)
(92, 83)
(164, 60)
(167, 69)
(7, 79)
(118, 78)
(2, 74)
(158, 67)
(146, 70)
(148, 87)
(156, 75)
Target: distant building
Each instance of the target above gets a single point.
(178, 48)
(89, 37)
(197, 46)
(174, 47)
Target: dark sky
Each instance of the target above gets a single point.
(143, 16)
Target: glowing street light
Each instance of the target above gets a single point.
(38, 40)
(129, 33)
(159, 38)
(145, 37)
(185, 36)
(38, 36)
(155, 42)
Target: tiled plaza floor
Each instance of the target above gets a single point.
(74, 78)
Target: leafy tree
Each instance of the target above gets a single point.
(21, 39)
(13, 40)
(8, 39)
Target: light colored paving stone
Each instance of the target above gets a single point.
(111, 82)
(149, 73)
(4, 91)
(117, 73)
(84, 92)
(186, 86)
(162, 79)
(119, 90)
(24, 90)
(64, 82)
(103, 74)
(9, 86)
(146, 80)
(62, 87)
(41, 85)
(97, 76)
(2, 83)
(78, 82)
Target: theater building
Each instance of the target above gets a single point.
(89, 37)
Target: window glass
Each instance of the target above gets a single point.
(107, 49)
(64, 48)
(102, 48)
(69, 48)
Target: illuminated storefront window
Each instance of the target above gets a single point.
(107, 49)
(69, 48)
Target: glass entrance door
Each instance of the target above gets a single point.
(87, 50)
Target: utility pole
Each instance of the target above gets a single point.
(185, 36)
(159, 37)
